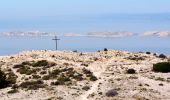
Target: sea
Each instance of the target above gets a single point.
(82, 24)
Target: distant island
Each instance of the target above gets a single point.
(88, 34)
(110, 34)
(29, 33)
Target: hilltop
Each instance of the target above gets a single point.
(102, 75)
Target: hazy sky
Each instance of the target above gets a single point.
(28, 8)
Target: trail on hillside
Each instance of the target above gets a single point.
(97, 73)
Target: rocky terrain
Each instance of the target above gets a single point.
(72, 75)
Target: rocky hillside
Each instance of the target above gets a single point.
(67, 75)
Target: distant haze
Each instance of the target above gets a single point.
(70, 16)
(89, 23)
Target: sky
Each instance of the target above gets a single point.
(37, 8)
(67, 16)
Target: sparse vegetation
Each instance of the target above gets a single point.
(89, 74)
(93, 78)
(160, 79)
(40, 63)
(46, 77)
(66, 72)
(14, 86)
(61, 80)
(105, 49)
(13, 91)
(11, 77)
(78, 76)
(85, 71)
(43, 72)
(33, 85)
(3, 80)
(86, 88)
(55, 83)
(18, 66)
(75, 51)
(26, 70)
(161, 84)
(111, 93)
(148, 53)
(162, 56)
(163, 67)
(36, 76)
(155, 54)
(26, 63)
(52, 75)
(73, 76)
(84, 64)
(63, 76)
(135, 58)
(28, 67)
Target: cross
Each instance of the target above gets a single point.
(56, 39)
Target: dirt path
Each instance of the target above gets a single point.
(98, 74)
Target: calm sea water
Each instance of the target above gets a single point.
(88, 23)
(12, 45)
(81, 24)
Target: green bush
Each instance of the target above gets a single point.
(75, 51)
(162, 56)
(46, 77)
(55, 83)
(52, 75)
(86, 71)
(14, 86)
(136, 58)
(11, 77)
(26, 63)
(43, 72)
(131, 71)
(93, 78)
(40, 63)
(155, 54)
(89, 74)
(63, 78)
(78, 77)
(22, 64)
(105, 49)
(36, 76)
(32, 85)
(86, 88)
(13, 91)
(18, 66)
(163, 67)
(26, 70)
(3, 80)
(55, 72)
(148, 53)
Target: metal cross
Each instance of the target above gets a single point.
(56, 39)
